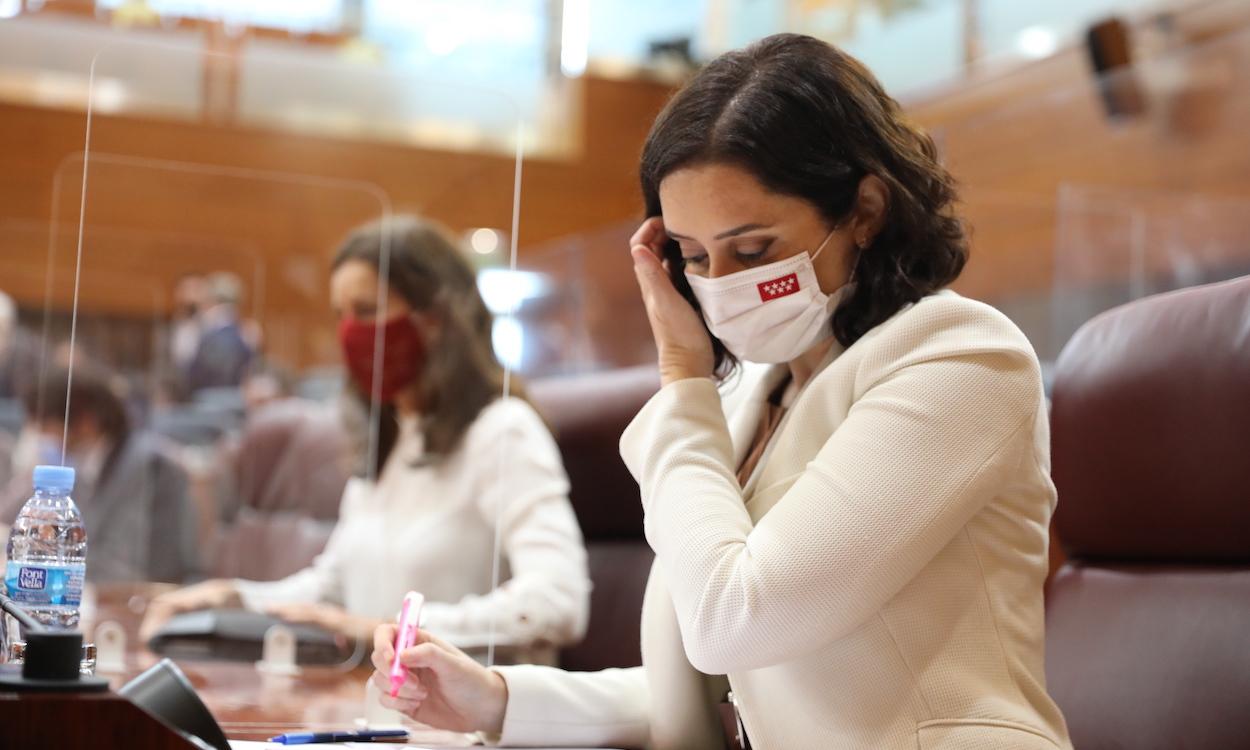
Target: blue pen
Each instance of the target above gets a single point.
(364, 735)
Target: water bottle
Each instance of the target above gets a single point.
(47, 551)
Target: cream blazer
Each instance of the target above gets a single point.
(876, 585)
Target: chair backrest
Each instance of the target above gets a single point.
(292, 458)
(288, 475)
(1147, 622)
(588, 413)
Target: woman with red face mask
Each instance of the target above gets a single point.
(452, 461)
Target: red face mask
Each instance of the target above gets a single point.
(403, 353)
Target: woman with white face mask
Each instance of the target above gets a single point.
(851, 530)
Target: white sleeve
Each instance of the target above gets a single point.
(553, 708)
(924, 447)
(521, 478)
(322, 581)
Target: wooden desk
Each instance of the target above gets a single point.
(249, 704)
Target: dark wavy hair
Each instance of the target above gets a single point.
(810, 121)
(460, 375)
(91, 391)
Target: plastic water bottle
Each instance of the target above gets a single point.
(47, 551)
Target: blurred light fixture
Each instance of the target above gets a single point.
(10, 8)
(1036, 42)
(575, 37)
(484, 241)
(109, 95)
(504, 290)
(507, 337)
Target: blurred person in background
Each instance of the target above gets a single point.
(19, 352)
(190, 300)
(19, 361)
(132, 492)
(223, 351)
(454, 462)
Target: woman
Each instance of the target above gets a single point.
(854, 533)
(453, 462)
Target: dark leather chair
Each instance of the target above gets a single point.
(286, 479)
(588, 413)
(1148, 623)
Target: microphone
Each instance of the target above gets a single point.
(28, 622)
(53, 657)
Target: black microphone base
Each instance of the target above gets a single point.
(12, 681)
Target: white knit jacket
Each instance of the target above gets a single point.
(877, 584)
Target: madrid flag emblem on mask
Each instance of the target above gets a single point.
(781, 287)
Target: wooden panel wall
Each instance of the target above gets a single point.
(154, 222)
(1015, 140)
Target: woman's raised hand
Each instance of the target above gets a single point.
(444, 687)
(681, 340)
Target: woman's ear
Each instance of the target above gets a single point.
(872, 204)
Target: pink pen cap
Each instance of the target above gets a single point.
(405, 637)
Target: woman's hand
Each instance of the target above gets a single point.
(329, 617)
(217, 593)
(681, 340)
(444, 688)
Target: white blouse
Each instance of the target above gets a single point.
(431, 527)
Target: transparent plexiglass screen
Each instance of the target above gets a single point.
(276, 281)
(1115, 246)
(577, 308)
(1105, 188)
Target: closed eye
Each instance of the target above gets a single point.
(753, 255)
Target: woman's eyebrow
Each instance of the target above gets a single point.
(728, 233)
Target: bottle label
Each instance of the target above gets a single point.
(48, 585)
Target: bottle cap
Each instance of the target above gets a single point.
(54, 478)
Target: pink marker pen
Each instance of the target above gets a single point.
(406, 637)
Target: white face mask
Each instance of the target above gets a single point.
(772, 313)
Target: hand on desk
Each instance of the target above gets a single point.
(215, 593)
(445, 688)
(330, 617)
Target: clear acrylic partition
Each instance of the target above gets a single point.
(577, 306)
(244, 214)
(1114, 246)
(1088, 194)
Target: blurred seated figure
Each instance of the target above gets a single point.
(223, 351)
(132, 492)
(19, 352)
(449, 463)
